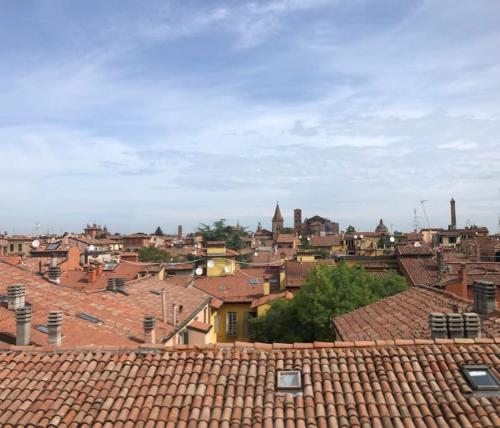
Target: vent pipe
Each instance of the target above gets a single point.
(16, 297)
(149, 325)
(23, 326)
(54, 325)
(437, 324)
(163, 305)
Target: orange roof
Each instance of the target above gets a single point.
(392, 383)
(241, 287)
(325, 241)
(405, 316)
(121, 315)
(270, 297)
(286, 238)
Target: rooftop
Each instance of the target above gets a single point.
(398, 383)
(405, 316)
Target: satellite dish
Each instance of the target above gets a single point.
(35, 243)
(392, 239)
(91, 248)
(199, 271)
(210, 264)
(227, 269)
(417, 244)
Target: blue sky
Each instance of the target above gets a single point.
(136, 114)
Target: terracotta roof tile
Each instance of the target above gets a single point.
(383, 385)
(405, 316)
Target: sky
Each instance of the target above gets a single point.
(136, 114)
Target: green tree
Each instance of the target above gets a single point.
(158, 231)
(350, 229)
(153, 255)
(220, 231)
(328, 291)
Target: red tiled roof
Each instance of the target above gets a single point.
(405, 316)
(77, 279)
(200, 326)
(325, 241)
(232, 288)
(411, 250)
(270, 297)
(400, 384)
(286, 238)
(421, 270)
(296, 272)
(121, 315)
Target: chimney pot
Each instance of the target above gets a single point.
(23, 326)
(54, 274)
(472, 325)
(111, 284)
(91, 275)
(54, 325)
(163, 305)
(149, 325)
(16, 297)
(484, 297)
(120, 284)
(438, 325)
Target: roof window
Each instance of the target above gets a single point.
(289, 380)
(89, 318)
(42, 328)
(481, 378)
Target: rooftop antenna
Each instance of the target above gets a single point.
(425, 213)
(416, 224)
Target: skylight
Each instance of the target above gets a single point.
(52, 246)
(89, 318)
(254, 281)
(481, 378)
(289, 379)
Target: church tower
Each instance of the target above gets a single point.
(277, 222)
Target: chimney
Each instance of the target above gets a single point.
(53, 261)
(99, 269)
(91, 275)
(455, 326)
(120, 285)
(16, 297)
(440, 261)
(23, 326)
(453, 224)
(149, 325)
(111, 284)
(54, 325)
(437, 325)
(54, 273)
(174, 314)
(484, 297)
(179, 232)
(472, 325)
(266, 285)
(163, 305)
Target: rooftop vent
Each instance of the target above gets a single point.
(481, 378)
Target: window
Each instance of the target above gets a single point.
(231, 319)
(42, 328)
(481, 378)
(12, 248)
(20, 247)
(289, 379)
(184, 337)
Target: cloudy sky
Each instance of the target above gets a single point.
(136, 114)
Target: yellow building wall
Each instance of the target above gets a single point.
(306, 258)
(219, 265)
(242, 310)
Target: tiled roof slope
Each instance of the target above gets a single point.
(121, 315)
(401, 386)
(405, 316)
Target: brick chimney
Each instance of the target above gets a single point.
(149, 325)
(54, 325)
(484, 297)
(16, 297)
(463, 280)
(23, 326)
(91, 275)
(266, 285)
(99, 269)
(438, 325)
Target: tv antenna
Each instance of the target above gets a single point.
(416, 224)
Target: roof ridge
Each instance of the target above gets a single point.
(357, 344)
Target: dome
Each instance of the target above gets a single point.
(381, 228)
